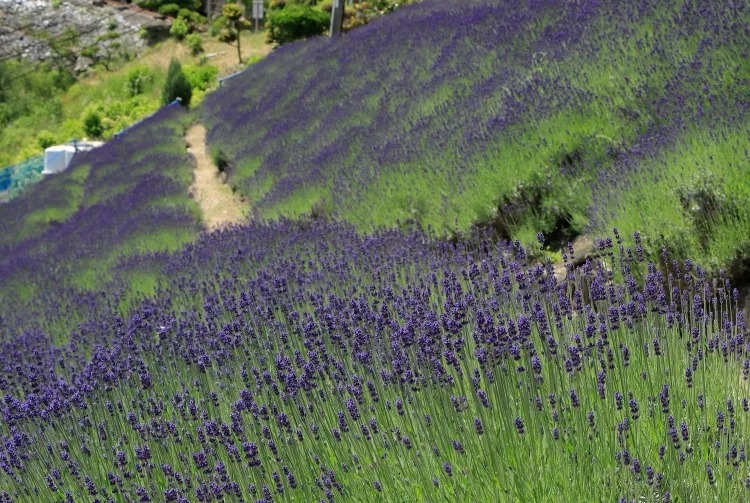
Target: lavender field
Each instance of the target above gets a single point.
(74, 231)
(305, 362)
(337, 347)
(517, 115)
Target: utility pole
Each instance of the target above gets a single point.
(337, 18)
(208, 9)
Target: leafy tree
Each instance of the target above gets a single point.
(176, 85)
(235, 22)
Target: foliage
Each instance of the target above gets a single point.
(294, 22)
(45, 139)
(176, 85)
(482, 113)
(138, 78)
(169, 9)
(306, 361)
(29, 89)
(219, 159)
(179, 29)
(234, 22)
(169, 5)
(468, 369)
(195, 43)
(364, 12)
(201, 77)
(92, 124)
(39, 96)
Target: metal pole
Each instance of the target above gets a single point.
(257, 12)
(337, 18)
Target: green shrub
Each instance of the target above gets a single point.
(227, 36)
(294, 22)
(705, 204)
(91, 52)
(201, 77)
(180, 28)
(176, 85)
(169, 9)
(195, 43)
(45, 139)
(137, 79)
(277, 5)
(217, 26)
(92, 124)
(219, 158)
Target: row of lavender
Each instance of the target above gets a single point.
(442, 108)
(126, 197)
(305, 362)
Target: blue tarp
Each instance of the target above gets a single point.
(17, 176)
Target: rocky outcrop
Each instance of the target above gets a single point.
(37, 29)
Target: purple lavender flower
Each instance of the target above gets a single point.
(448, 469)
(710, 473)
(574, 401)
(478, 426)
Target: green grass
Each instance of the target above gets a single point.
(68, 196)
(692, 198)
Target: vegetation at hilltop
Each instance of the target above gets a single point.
(41, 106)
(336, 347)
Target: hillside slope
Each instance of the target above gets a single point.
(512, 115)
(144, 360)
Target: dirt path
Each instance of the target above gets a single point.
(219, 205)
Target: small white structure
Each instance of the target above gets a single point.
(58, 157)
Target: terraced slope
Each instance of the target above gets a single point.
(521, 116)
(125, 199)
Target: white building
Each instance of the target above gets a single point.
(57, 158)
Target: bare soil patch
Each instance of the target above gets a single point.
(220, 206)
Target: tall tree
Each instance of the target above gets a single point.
(176, 85)
(235, 23)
